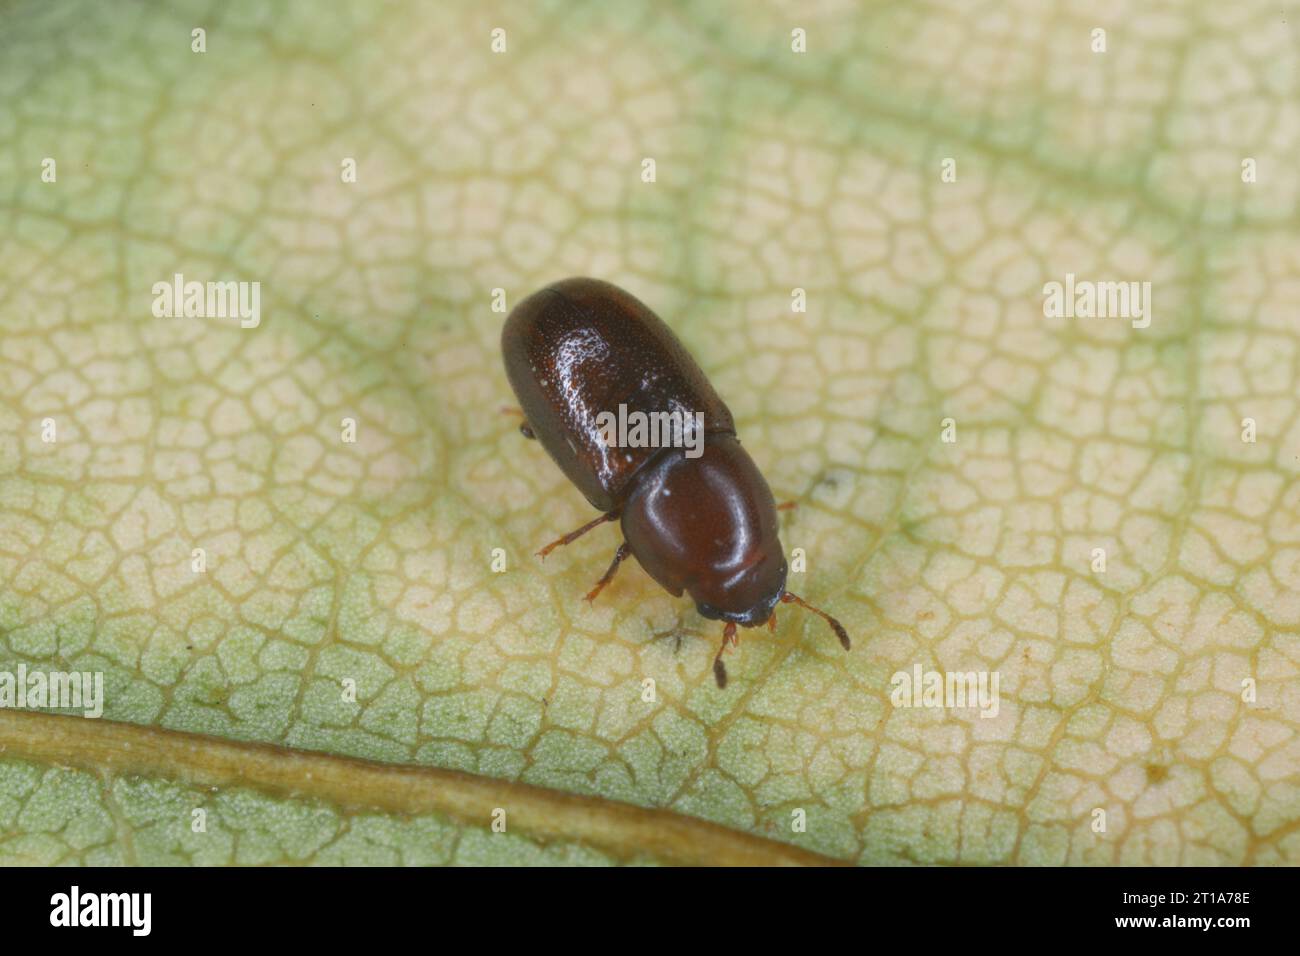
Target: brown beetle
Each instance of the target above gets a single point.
(704, 524)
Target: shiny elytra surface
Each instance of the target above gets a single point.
(581, 347)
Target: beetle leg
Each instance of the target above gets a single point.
(608, 576)
(573, 536)
(771, 623)
(787, 506)
(524, 428)
(720, 669)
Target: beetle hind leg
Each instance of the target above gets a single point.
(524, 428)
(608, 576)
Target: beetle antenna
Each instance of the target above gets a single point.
(719, 668)
(836, 626)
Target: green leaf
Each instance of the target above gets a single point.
(370, 562)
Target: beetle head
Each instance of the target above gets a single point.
(748, 597)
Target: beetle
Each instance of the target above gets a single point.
(705, 523)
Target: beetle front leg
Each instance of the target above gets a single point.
(622, 552)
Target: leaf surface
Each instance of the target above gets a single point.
(371, 562)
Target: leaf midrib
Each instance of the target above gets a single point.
(624, 830)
